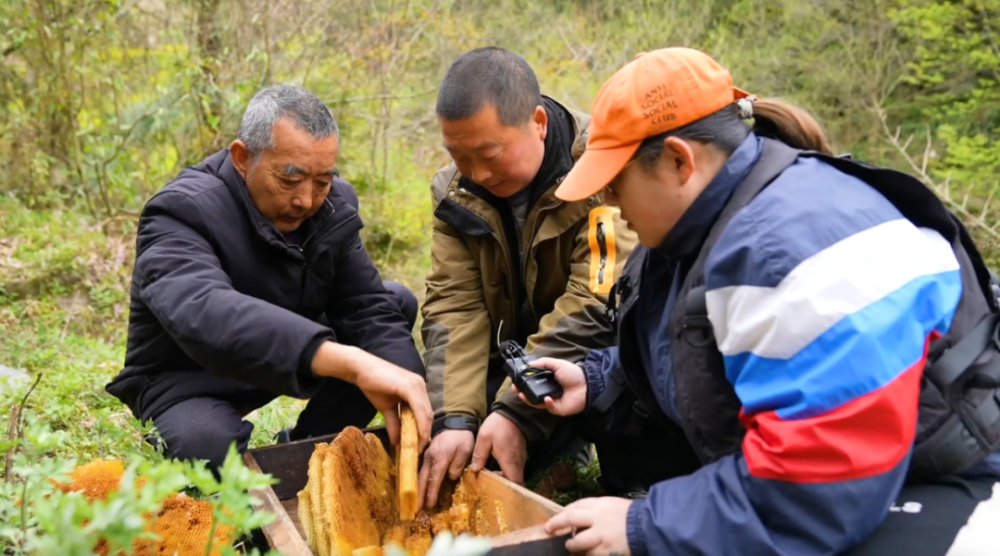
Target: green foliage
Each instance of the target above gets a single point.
(836, 59)
(955, 68)
(39, 518)
(63, 307)
(106, 101)
(585, 486)
(970, 159)
(953, 77)
(951, 87)
(102, 102)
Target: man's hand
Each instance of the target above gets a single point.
(449, 453)
(599, 523)
(574, 383)
(384, 384)
(501, 437)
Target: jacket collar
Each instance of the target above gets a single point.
(685, 239)
(558, 159)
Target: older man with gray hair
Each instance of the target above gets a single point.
(251, 282)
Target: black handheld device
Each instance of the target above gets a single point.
(534, 382)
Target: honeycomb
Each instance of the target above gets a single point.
(95, 480)
(182, 524)
(349, 506)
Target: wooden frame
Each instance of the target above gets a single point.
(525, 511)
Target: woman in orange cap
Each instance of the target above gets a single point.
(787, 311)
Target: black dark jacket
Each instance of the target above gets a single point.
(221, 303)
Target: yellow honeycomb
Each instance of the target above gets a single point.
(182, 524)
(349, 506)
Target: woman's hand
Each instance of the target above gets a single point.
(574, 384)
(599, 524)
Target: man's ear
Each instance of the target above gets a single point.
(678, 154)
(540, 119)
(241, 157)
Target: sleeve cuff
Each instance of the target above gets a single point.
(633, 528)
(463, 420)
(595, 378)
(308, 381)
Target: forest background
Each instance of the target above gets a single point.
(104, 101)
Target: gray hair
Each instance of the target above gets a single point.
(283, 101)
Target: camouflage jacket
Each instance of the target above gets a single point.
(573, 253)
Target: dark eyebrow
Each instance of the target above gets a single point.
(293, 169)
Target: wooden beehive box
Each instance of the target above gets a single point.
(524, 511)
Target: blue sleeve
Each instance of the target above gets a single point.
(722, 509)
(598, 367)
(807, 287)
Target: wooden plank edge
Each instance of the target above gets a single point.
(551, 507)
(379, 431)
(535, 533)
(281, 533)
(286, 445)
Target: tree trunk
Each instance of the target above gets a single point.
(210, 48)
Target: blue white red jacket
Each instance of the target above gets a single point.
(823, 299)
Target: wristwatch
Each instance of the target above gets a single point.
(455, 422)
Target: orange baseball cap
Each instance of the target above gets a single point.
(654, 93)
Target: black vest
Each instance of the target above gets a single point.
(959, 417)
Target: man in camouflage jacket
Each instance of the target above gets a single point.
(509, 261)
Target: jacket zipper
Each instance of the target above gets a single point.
(513, 278)
(527, 247)
(602, 244)
(333, 212)
(629, 352)
(512, 285)
(511, 275)
(527, 241)
(302, 249)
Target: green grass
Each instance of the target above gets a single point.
(586, 484)
(63, 315)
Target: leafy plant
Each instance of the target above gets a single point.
(38, 517)
(102, 102)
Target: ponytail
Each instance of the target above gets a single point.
(726, 129)
(789, 124)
